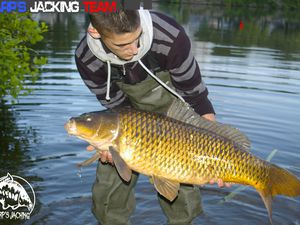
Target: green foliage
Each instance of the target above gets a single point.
(19, 63)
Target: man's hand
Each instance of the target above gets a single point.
(209, 116)
(105, 156)
(220, 183)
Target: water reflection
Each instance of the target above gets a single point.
(64, 28)
(263, 32)
(16, 137)
(16, 140)
(240, 26)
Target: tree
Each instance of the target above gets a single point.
(19, 63)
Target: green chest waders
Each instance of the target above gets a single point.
(148, 95)
(113, 200)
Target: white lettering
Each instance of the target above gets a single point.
(38, 7)
(75, 6)
(4, 215)
(19, 215)
(56, 5)
(48, 7)
(53, 6)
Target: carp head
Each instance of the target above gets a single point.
(100, 128)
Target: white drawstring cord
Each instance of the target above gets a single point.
(107, 97)
(108, 81)
(161, 82)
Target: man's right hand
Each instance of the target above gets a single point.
(105, 156)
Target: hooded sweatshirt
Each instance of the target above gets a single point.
(163, 46)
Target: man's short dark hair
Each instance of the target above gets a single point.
(119, 22)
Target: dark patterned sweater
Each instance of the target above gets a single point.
(170, 51)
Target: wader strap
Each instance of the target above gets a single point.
(149, 95)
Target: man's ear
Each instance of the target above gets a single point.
(93, 32)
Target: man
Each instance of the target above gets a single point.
(142, 59)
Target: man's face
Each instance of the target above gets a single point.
(125, 46)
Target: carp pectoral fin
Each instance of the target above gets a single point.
(121, 166)
(267, 199)
(168, 189)
(87, 162)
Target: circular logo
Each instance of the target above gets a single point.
(17, 198)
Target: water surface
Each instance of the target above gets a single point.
(251, 65)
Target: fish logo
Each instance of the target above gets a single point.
(16, 195)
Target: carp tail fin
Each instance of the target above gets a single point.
(281, 182)
(267, 199)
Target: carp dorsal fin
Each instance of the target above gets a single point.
(121, 166)
(168, 189)
(183, 112)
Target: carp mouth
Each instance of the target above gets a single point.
(70, 127)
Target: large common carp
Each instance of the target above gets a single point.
(181, 147)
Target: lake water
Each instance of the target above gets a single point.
(250, 62)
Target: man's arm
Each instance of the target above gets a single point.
(186, 76)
